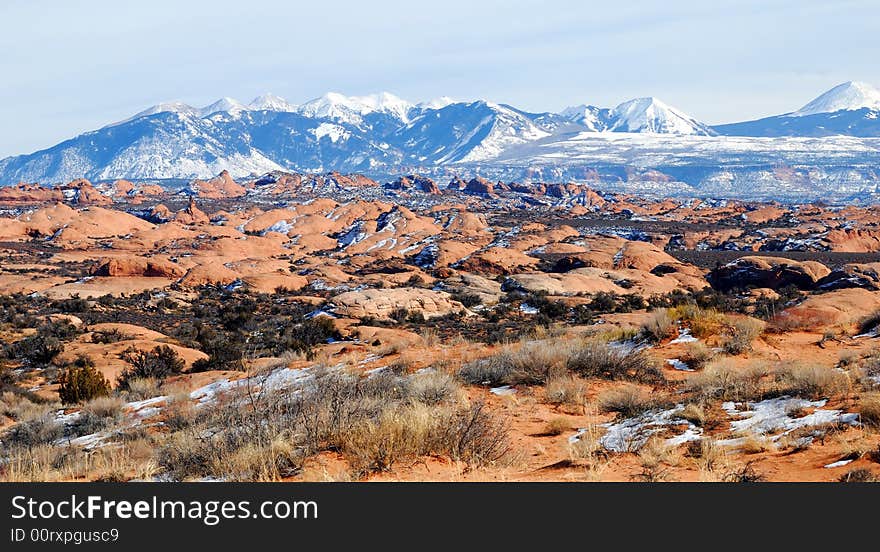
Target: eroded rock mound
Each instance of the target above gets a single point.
(381, 303)
(768, 272)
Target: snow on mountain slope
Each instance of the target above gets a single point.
(653, 116)
(352, 109)
(849, 96)
(593, 118)
(465, 132)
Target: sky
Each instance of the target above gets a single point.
(76, 65)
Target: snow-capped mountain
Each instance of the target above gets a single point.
(851, 109)
(352, 109)
(652, 115)
(464, 132)
(849, 96)
(271, 102)
(827, 142)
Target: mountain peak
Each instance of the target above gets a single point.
(652, 115)
(225, 104)
(847, 96)
(271, 102)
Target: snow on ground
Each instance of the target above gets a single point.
(776, 414)
(677, 364)
(630, 434)
(684, 336)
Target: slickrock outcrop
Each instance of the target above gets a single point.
(138, 266)
(380, 303)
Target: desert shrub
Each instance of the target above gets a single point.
(158, 364)
(475, 436)
(869, 322)
(303, 337)
(225, 350)
(81, 382)
(528, 363)
(659, 326)
(722, 380)
(565, 390)
(432, 387)
(738, 334)
(35, 350)
(39, 430)
(697, 355)
(809, 381)
(96, 415)
(71, 304)
(702, 322)
(859, 475)
(869, 409)
(139, 389)
(627, 401)
(601, 360)
(744, 474)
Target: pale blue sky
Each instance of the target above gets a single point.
(75, 65)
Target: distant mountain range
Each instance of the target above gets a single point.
(830, 144)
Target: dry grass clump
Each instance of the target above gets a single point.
(722, 380)
(753, 443)
(433, 387)
(659, 326)
(810, 381)
(739, 333)
(19, 406)
(140, 389)
(869, 409)
(557, 426)
(587, 450)
(694, 413)
(702, 322)
(655, 457)
(39, 428)
(566, 391)
(708, 455)
(627, 401)
(96, 415)
(697, 355)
